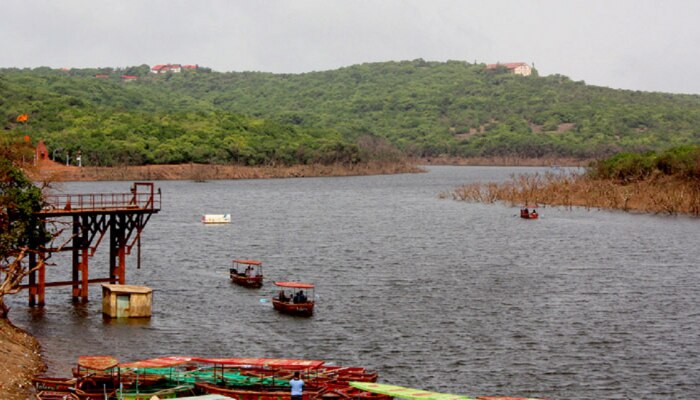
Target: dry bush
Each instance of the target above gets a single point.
(657, 194)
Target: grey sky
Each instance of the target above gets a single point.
(631, 44)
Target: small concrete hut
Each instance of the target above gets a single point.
(126, 301)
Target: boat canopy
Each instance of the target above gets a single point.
(265, 362)
(295, 285)
(99, 363)
(249, 262)
(404, 392)
(162, 362)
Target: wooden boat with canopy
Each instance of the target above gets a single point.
(291, 299)
(247, 273)
(154, 377)
(98, 377)
(272, 390)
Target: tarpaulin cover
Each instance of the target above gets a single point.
(99, 363)
(249, 262)
(264, 362)
(404, 392)
(299, 285)
(162, 362)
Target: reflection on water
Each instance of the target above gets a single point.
(449, 296)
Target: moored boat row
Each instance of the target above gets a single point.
(102, 377)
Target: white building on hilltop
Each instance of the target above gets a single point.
(518, 68)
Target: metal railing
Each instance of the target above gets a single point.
(141, 200)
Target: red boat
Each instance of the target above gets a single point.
(273, 367)
(257, 392)
(292, 299)
(346, 374)
(529, 214)
(56, 395)
(51, 384)
(247, 273)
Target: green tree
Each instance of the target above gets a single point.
(21, 230)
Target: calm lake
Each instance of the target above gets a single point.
(433, 293)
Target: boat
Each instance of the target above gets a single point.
(257, 393)
(98, 377)
(291, 299)
(141, 380)
(401, 392)
(404, 392)
(347, 374)
(247, 273)
(525, 213)
(56, 395)
(216, 218)
(160, 392)
(266, 391)
(52, 384)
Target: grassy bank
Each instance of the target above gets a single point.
(20, 359)
(663, 183)
(655, 194)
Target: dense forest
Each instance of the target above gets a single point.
(368, 111)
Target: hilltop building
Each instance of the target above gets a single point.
(163, 68)
(517, 68)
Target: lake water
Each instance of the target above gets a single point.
(433, 293)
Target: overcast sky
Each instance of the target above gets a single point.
(631, 44)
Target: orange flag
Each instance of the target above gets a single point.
(22, 117)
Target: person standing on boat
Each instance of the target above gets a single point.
(297, 384)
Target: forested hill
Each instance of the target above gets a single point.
(423, 108)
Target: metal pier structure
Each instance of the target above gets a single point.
(123, 215)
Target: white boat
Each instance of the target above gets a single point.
(216, 218)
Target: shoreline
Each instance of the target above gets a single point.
(20, 360)
(49, 171)
(504, 161)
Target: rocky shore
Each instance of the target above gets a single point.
(20, 359)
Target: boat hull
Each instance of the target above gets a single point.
(247, 281)
(45, 383)
(256, 393)
(301, 309)
(168, 393)
(528, 215)
(55, 395)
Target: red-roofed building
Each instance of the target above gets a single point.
(518, 68)
(129, 78)
(189, 66)
(163, 68)
(102, 76)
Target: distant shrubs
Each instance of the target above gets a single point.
(682, 161)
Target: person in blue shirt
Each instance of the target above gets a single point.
(297, 384)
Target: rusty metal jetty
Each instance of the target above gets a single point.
(123, 215)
